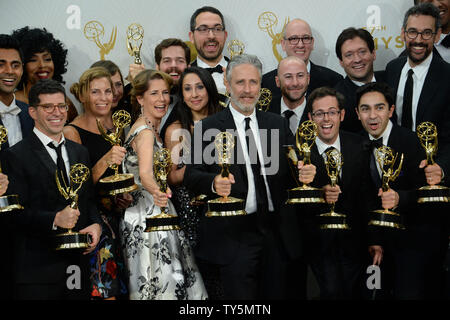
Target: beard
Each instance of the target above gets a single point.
(209, 56)
(418, 60)
(245, 108)
(289, 97)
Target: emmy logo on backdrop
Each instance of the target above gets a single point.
(135, 37)
(94, 31)
(78, 174)
(387, 158)
(7, 202)
(266, 21)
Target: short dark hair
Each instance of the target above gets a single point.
(9, 42)
(380, 87)
(39, 40)
(351, 33)
(423, 9)
(44, 86)
(205, 9)
(172, 42)
(184, 113)
(323, 92)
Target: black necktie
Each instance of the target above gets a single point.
(288, 114)
(373, 165)
(260, 186)
(407, 101)
(60, 162)
(217, 68)
(446, 41)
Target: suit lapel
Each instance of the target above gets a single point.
(42, 154)
(428, 89)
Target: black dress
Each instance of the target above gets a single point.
(107, 276)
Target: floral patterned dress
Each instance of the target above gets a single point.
(161, 264)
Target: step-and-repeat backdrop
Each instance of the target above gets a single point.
(97, 29)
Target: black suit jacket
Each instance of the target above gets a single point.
(433, 103)
(220, 237)
(275, 107)
(319, 77)
(348, 88)
(31, 173)
(401, 140)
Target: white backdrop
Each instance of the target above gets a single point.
(161, 19)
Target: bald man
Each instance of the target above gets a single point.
(298, 41)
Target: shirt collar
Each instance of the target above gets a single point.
(46, 139)
(322, 146)
(420, 70)
(385, 135)
(298, 110)
(239, 118)
(13, 108)
(360, 84)
(308, 67)
(202, 64)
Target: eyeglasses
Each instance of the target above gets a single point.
(321, 114)
(204, 30)
(50, 108)
(426, 34)
(295, 40)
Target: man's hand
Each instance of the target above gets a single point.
(134, 69)
(223, 185)
(376, 252)
(95, 231)
(331, 193)
(306, 172)
(389, 199)
(433, 172)
(66, 218)
(3, 183)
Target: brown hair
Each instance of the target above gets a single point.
(81, 88)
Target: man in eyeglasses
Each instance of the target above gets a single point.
(355, 49)
(41, 272)
(298, 41)
(208, 34)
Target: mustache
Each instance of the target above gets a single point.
(415, 44)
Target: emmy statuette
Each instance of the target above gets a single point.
(135, 37)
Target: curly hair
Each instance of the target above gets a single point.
(38, 40)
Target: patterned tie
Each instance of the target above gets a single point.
(407, 101)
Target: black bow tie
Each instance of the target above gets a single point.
(446, 41)
(373, 144)
(217, 69)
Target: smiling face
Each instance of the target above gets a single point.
(374, 112)
(298, 28)
(194, 92)
(357, 60)
(419, 49)
(326, 114)
(40, 66)
(173, 62)
(209, 46)
(11, 70)
(51, 124)
(100, 97)
(293, 80)
(155, 100)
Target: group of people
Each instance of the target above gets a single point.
(264, 253)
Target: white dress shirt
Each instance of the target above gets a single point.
(11, 121)
(294, 121)
(322, 147)
(443, 51)
(420, 73)
(360, 84)
(52, 152)
(239, 120)
(218, 77)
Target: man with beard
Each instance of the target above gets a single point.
(172, 56)
(243, 249)
(293, 79)
(443, 45)
(355, 49)
(298, 41)
(208, 35)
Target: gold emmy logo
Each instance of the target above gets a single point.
(94, 31)
(235, 48)
(266, 21)
(135, 37)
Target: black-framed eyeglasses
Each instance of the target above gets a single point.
(321, 114)
(295, 40)
(204, 30)
(50, 107)
(426, 34)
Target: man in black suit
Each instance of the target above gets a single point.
(355, 49)
(404, 254)
(244, 249)
(208, 34)
(40, 271)
(298, 41)
(293, 79)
